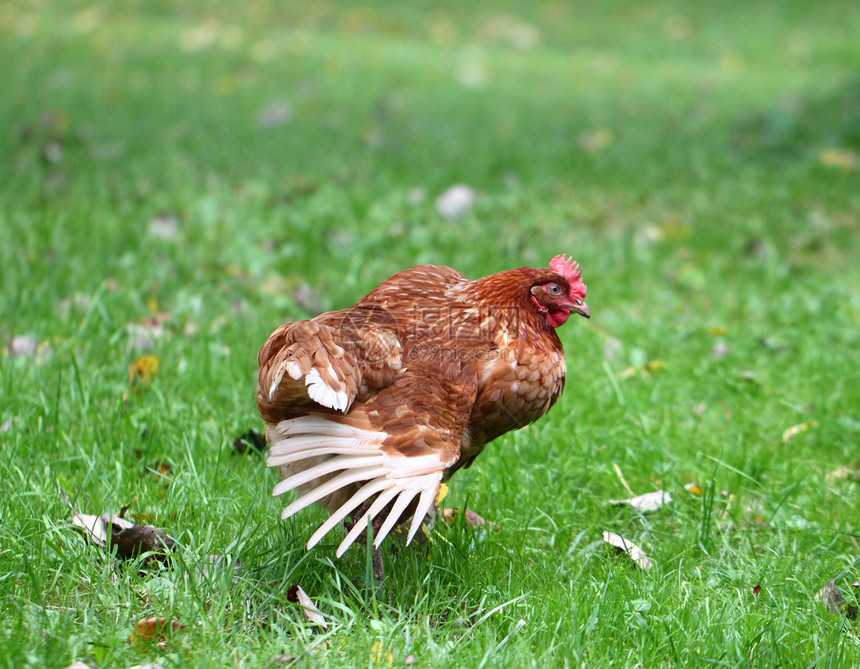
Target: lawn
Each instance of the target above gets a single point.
(178, 179)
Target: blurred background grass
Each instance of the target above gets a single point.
(179, 179)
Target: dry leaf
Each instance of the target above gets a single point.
(163, 226)
(27, 346)
(296, 594)
(379, 655)
(93, 527)
(144, 369)
(129, 539)
(756, 591)
(694, 488)
(841, 158)
(153, 629)
(650, 501)
(633, 551)
(442, 494)
(472, 518)
(851, 473)
(654, 366)
(795, 430)
(831, 596)
(281, 660)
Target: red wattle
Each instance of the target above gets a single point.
(558, 317)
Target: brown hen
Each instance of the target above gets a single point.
(371, 407)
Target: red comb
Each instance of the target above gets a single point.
(570, 271)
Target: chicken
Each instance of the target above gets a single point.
(368, 409)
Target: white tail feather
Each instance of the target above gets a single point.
(377, 506)
(424, 504)
(331, 486)
(394, 515)
(363, 493)
(356, 455)
(328, 467)
(277, 461)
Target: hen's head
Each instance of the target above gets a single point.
(557, 296)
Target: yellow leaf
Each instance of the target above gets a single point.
(795, 430)
(152, 305)
(654, 366)
(718, 330)
(378, 654)
(144, 369)
(442, 494)
(695, 489)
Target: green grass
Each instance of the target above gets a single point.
(708, 220)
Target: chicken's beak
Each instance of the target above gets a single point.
(581, 308)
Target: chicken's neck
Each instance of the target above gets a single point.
(504, 299)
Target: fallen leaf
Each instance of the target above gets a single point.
(442, 494)
(851, 473)
(378, 654)
(153, 629)
(163, 226)
(694, 488)
(159, 467)
(129, 539)
(456, 201)
(650, 367)
(632, 550)
(650, 501)
(27, 346)
(472, 518)
(296, 594)
(831, 596)
(718, 330)
(720, 350)
(281, 660)
(144, 369)
(841, 158)
(756, 591)
(93, 527)
(795, 430)
(654, 366)
(250, 441)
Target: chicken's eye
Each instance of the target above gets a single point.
(554, 289)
